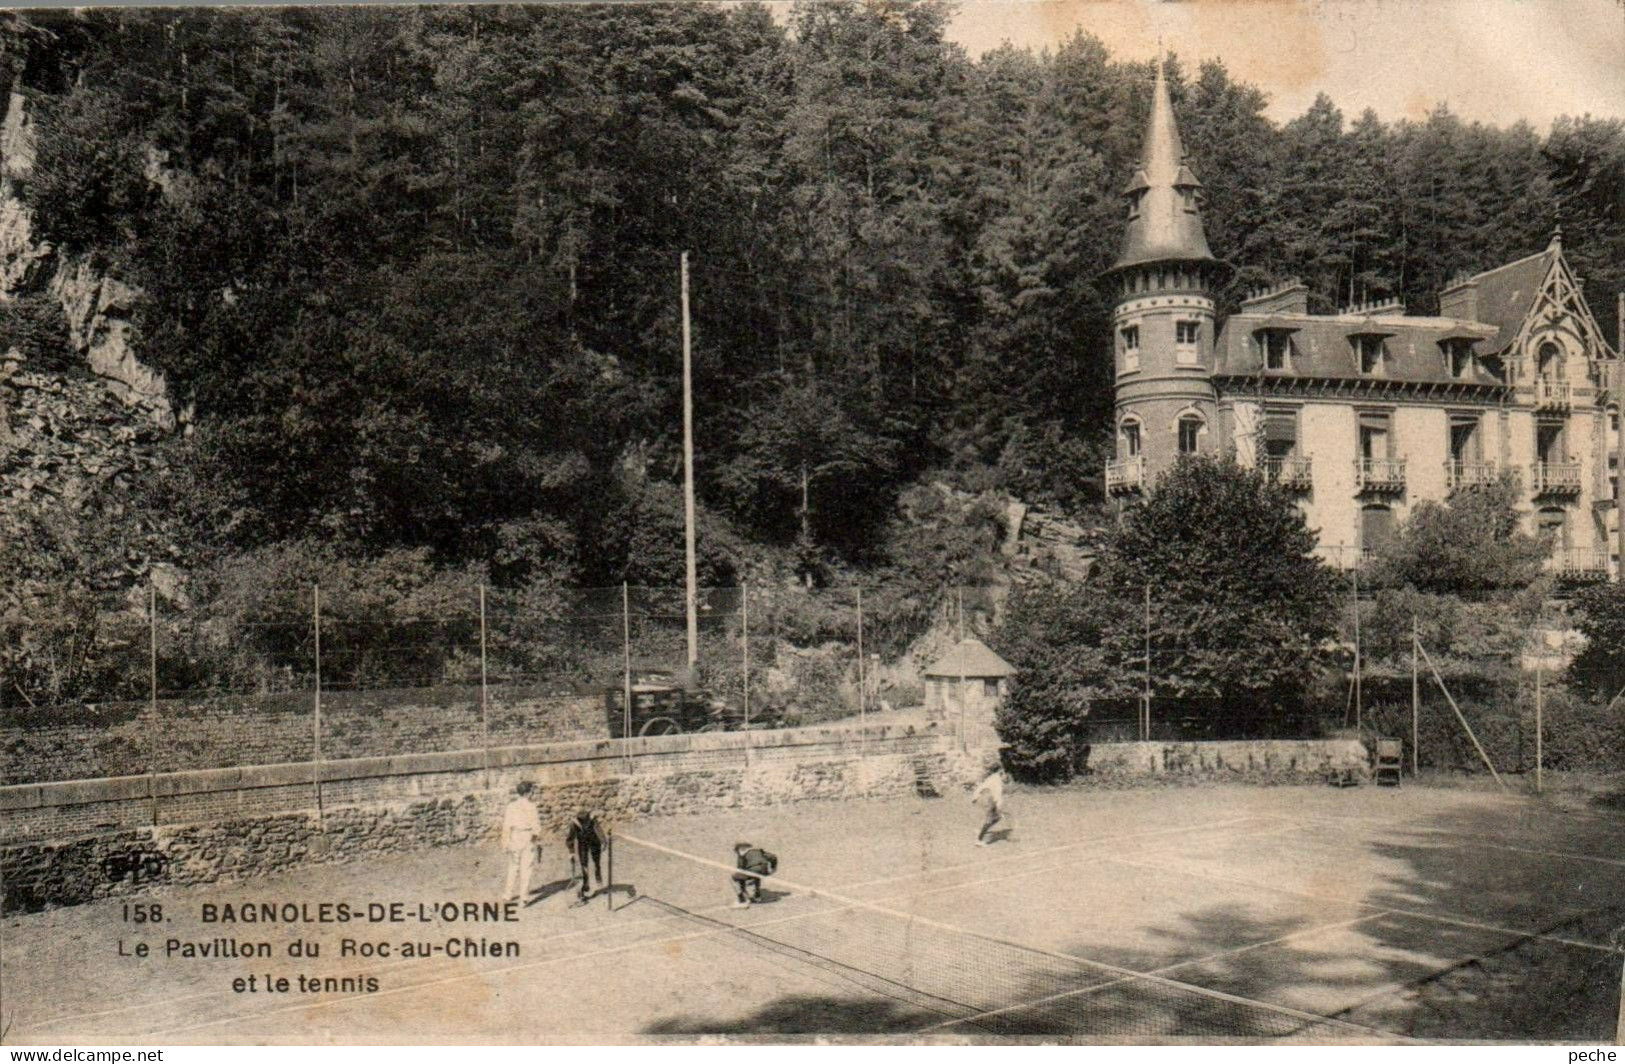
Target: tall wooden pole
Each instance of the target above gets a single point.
(152, 673)
(1416, 691)
(744, 614)
(1619, 449)
(316, 726)
(688, 488)
(485, 703)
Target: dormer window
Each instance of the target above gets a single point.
(1275, 347)
(1187, 199)
(1458, 356)
(1187, 342)
(1134, 199)
(1368, 349)
(1130, 336)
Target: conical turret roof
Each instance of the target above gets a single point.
(1165, 220)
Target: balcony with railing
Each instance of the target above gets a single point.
(1379, 474)
(1555, 478)
(1291, 471)
(1579, 563)
(1125, 475)
(1553, 394)
(1459, 475)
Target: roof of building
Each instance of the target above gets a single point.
(970, 657)
(1163, 229)
(1506, 294)
(1323, 347)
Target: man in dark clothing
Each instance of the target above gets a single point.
(748, 858)
(582, 841)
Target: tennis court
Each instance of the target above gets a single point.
(1205, 914)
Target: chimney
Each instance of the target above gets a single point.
(1460, 299)
(1289, 297)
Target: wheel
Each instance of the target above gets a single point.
(660, 726)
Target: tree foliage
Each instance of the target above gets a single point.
(1471, 546)
(1236, 620)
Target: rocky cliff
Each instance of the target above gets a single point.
(80, 414)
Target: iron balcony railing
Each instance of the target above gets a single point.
(1555, 478)
(1579, 563)
(1379, 474)
(1125, 475)
(1289, 471)
(1458, 475)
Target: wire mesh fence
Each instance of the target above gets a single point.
(132, 685)
(137, 686)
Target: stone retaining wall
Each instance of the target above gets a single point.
(64, 843)
(1252, 760)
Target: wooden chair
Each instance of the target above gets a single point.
(1390, 758)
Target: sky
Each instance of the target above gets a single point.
(1495, 61)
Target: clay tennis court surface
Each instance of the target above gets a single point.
(1207, 914)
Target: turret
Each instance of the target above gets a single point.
(1163, 325)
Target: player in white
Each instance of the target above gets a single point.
(990, 795)
(521, 828)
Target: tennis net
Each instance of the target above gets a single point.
(936, 976)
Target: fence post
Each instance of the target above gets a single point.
(1539, 751)
(152, 672)
(485, 705)
(316, 730)
(1145, 707)
(863, 718)
(1359, 693)
(1416, 691)
(626, 663)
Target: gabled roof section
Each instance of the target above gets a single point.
(971, 658)
(1163, 229)
(1507, 293)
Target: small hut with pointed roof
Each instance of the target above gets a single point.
(967, 684)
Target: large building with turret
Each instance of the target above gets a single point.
(1365, 412)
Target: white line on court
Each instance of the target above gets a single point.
(1457, 921)
(1023, 855)
(1082, 991)
(1472, 839)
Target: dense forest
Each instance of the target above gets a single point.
(415, 270)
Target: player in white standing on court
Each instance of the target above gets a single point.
(990, 795)
(521, 827)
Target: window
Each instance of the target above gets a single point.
(1552, 524)
(1459, 358)
(1131, 440)
(1131, 347)
(1134, 199)
(1376, 441)
(1376, 528)
(1187, 340)
(1187, 198)
(1190, 428)
(1549, 447)
(1464, 438)
(1551, 361)
(1280, 433)
(1277, 347)
(1369, 349)
(990, 688)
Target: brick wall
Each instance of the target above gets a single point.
(224, 732)
(65, 843)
